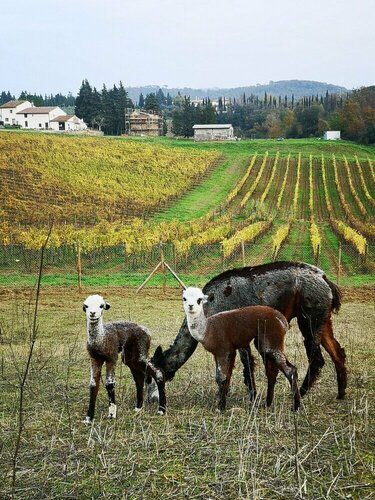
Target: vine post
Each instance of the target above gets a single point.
(339, 265)
(162, 262)
(222, 258)
(79, 266)
(318, 256)
(243, 253)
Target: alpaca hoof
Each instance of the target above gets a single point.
(88, 421)
(341, 396)
(112, 412)
(161, 412)
(137, 410)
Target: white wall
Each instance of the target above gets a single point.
(40, 120)
(332, 135)
(73, 123)
(9, 115)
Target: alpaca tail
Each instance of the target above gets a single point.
(336, 295)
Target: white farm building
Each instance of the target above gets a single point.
(332, 135)
(28, 116)
(213, 132)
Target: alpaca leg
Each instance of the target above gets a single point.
(152, 391)
(338, 356)
(290, 371)
(310, 332)
(271, 372)
(224, 368)
(158, 378)
(151, 386)
(139, 374)
(110, 386)
(248, 362)
(96, 368)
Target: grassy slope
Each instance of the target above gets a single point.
(249, 452)
(239, 152)
(213, 190)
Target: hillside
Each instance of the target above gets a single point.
(83, 180)
(299, 88)
(212, 205)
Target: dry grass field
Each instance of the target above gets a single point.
(324, 451)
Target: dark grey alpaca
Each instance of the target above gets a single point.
(297, 290)
(105, 340)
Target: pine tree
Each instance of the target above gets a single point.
(141, 102)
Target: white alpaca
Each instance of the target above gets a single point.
(225, 332)
(104, 342)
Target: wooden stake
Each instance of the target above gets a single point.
(162, 267)
(174, 275)
(339, 265)
(79, 267)
(243, 253)
(149, 277)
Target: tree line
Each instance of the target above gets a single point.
(271, 117)
(38, 100)
(252, 116)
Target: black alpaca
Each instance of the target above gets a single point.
(297, 290)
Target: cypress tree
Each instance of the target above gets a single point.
(84, 105)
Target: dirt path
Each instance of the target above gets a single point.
(320, 206)
(273, 194)
(304, 191)
(287, 201)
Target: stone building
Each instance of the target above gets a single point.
(214, 132)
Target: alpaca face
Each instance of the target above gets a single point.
(193, 300)
(94, 306)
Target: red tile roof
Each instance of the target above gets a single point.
(11, 104)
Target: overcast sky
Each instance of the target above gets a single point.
(51, 45)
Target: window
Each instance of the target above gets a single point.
(26, 125)
(25, 115)
(11, 110)
(7, 119)
(40, 125)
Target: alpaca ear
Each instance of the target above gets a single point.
(107, 306)
(205, 299)
(84, 307)
(157, 358)
(158, 351)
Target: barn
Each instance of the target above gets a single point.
(332, 135)
(213, 132)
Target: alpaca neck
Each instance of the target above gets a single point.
(95, 331)
(197, 326)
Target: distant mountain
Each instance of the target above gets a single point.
(299, 88)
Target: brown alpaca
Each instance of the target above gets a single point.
(104, 342)
(225, 332)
